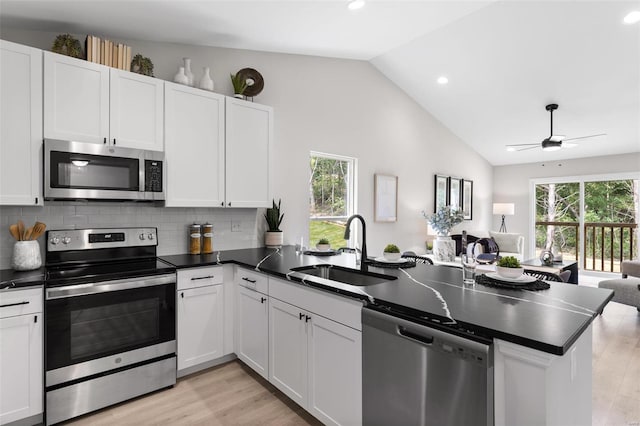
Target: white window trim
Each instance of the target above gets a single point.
(581, 180)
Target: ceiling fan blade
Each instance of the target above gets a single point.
(569, 145)
(528, 148)
(557, 138)
(523, 144)
(585, 137)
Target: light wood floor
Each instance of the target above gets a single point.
(232, 394)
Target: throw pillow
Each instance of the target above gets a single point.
(507, 242)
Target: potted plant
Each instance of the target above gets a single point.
(391, 252)
(274, 236)
(142, 65)
(445, 218)
(323, 244)
(509, 267)
(66, 44)
(239, 85)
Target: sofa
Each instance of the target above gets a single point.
(626, 289)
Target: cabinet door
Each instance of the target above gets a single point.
(194, 147)
(20, 367)
(200, 325)
(335, 372)
(136, 111)
(252, 329)
(288, 350)
(20, 124)
(76, 99)
(249, 136)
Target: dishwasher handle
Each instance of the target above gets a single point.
(417, 337)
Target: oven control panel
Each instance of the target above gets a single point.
(87, 239)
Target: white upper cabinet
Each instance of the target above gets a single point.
(89, 102)
(20, 124)
(136, 111)
(248, 141)
(194, 147)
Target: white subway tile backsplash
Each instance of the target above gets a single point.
(172, 223)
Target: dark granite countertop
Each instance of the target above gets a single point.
(15, 279)
(549, 320)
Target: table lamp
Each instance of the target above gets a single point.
(504, 209)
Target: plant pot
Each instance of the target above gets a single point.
(444, 249)
(273, 239)
(392, 257)
(323, 247)
(511, 273)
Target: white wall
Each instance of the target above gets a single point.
(511, 184)
(342, 107)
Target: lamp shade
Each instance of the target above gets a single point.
(508, 209)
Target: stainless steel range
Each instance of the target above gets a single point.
(109, 318)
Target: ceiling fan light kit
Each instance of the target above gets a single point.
(553, 142)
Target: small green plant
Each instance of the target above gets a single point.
(239, 84)
(391, 248)
(323, 241)
(66, 44)
(142, 65)
(509, 262)
(273, 217)
(429, 245)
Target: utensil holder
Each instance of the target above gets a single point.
(26, 256)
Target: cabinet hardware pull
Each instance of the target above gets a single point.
(229, 203)
(202, 278)
(114, 141)
(105, 140)
(263, 299)
(307, 318)
(35, 319)
(222, 204)
(249, 279)
(36, 200)
(26, 302)
(301, 315)
(182, 294)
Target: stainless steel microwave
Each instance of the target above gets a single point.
(87, 171)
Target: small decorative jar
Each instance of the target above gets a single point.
(206, 82)
(181, 77)
(26, 256)
(187, 71)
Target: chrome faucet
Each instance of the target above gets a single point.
(347, 234)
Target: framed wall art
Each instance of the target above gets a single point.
(455, 193)
(385, 198)
(441, 197)
(467, 199)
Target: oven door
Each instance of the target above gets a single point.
(97, 327)
(75, 170)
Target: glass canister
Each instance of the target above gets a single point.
(195, 236)
(207, 238)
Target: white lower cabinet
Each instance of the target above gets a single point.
(21, 345)
(313, 360)
(200, 316)
(252, 329)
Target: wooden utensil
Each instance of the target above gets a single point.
(38, 230)
(27, 233)
(21, 230)
(13, 229)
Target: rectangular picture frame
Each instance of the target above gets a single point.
(441, 192)
(467, 199)
(385, 204)
(455, 193)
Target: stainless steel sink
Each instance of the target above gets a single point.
(344, 275)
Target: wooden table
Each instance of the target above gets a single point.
(555, 268)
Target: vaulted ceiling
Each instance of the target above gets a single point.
(505, 60)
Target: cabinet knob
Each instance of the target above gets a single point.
(182, 294)
(222, 204)
(104, 141)
(301, 315)
(229, 204)
(307, 318)
(114, 141)
(263, 299)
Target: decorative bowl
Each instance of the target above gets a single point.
(391, 256)
(509, 272)
(323, 247)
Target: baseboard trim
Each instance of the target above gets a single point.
(195, 368)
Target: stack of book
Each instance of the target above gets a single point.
(108, 53)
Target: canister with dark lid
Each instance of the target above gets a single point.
(207, 238)
(195, 235)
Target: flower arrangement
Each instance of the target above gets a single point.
(444, 219)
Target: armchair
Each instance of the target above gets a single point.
(509, 244)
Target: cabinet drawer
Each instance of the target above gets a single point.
(20, 302)
(199, 277)
(252, 280)
(337, 308)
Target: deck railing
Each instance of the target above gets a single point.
(606, 244)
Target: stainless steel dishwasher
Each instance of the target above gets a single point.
(416, 375)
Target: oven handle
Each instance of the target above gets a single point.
(106, 286)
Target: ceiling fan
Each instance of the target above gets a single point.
(553, 142)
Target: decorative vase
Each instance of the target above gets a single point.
(26, 256)
(273, 239)
(238, 95)
(206, 82)
(187, 71)
(181, 77)
(444, 248)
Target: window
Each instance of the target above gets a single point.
(331, 197)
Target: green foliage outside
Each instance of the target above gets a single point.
(328, 187)
(332, 231)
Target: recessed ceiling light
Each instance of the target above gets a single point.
(511, 149)
(443, 80)
(355, 4)
(632, 17)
